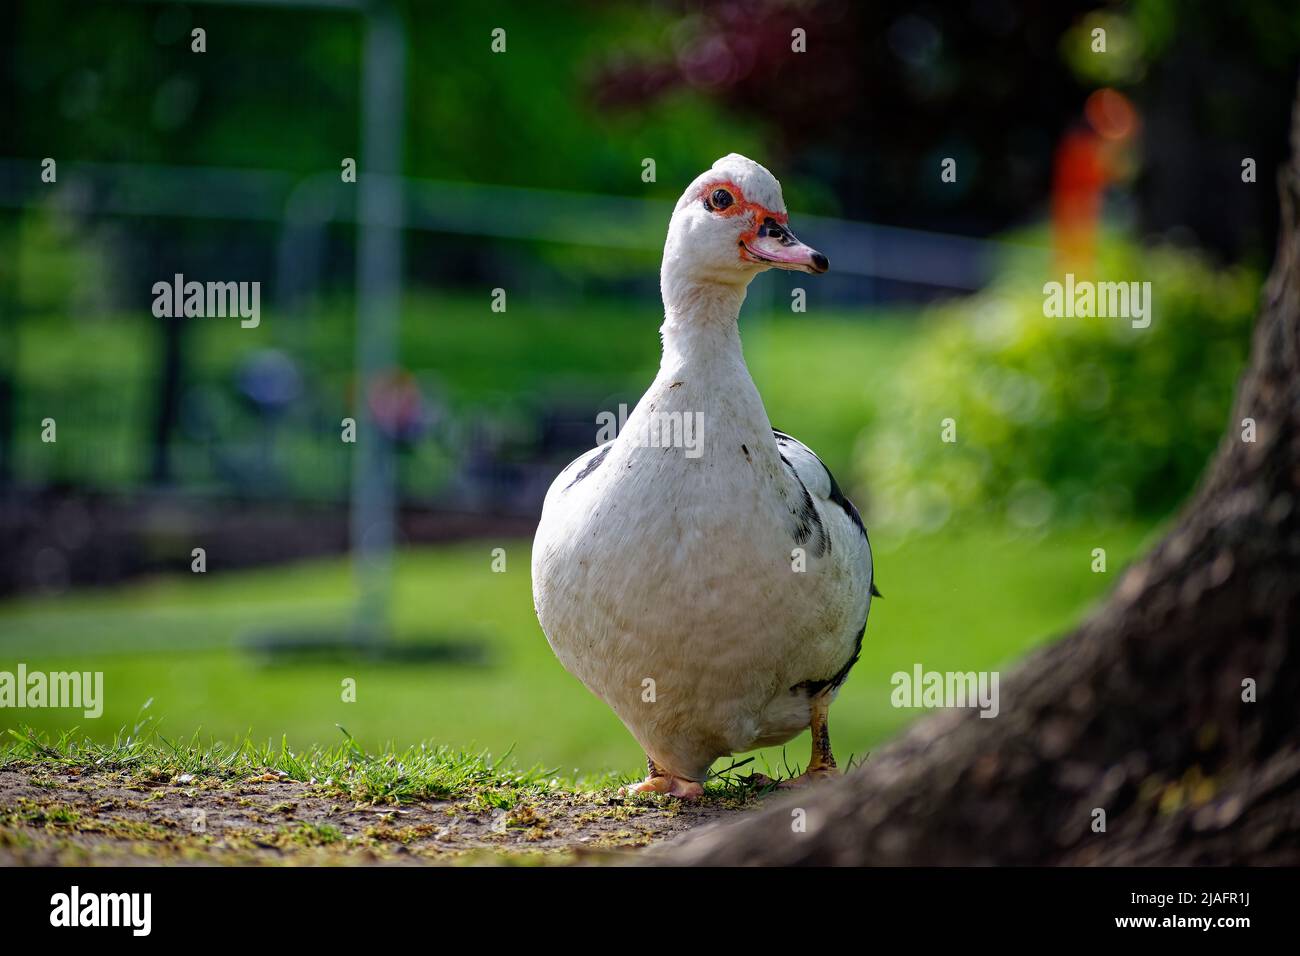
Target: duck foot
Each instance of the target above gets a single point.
(810, 777)
(668, 785)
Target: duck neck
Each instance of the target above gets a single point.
(701, 324)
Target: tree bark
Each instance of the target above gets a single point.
(1140, 712)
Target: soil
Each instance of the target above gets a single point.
(67, 817)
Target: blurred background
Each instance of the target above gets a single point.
(516, 161)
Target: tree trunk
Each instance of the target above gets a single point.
(1138, 713)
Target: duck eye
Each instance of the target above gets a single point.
(721, 199)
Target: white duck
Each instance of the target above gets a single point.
(714, 593)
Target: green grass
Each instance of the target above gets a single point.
(393, 776)
(819, 373)
(173, 648)
(822, 377)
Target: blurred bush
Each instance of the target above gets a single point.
(1061, 419)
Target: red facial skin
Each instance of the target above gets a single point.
(742, 206)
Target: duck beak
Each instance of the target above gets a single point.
(775, 245)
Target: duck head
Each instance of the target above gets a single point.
(729, 226)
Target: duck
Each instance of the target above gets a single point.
(702, 572)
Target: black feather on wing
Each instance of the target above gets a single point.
(837, 494)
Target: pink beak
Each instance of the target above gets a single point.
(776, 245)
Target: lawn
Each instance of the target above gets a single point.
(175, 648)
(820, 373)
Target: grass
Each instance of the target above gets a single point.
(396, 776)
(175, 648)
(818, 372)
(68, 800)
(389, 776)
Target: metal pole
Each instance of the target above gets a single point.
(379, 277)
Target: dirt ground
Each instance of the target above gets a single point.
(80, 817)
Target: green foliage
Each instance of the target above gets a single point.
(280, 90)
(1063, 418)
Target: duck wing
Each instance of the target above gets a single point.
(845, 537)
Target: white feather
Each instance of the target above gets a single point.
(667, 583)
